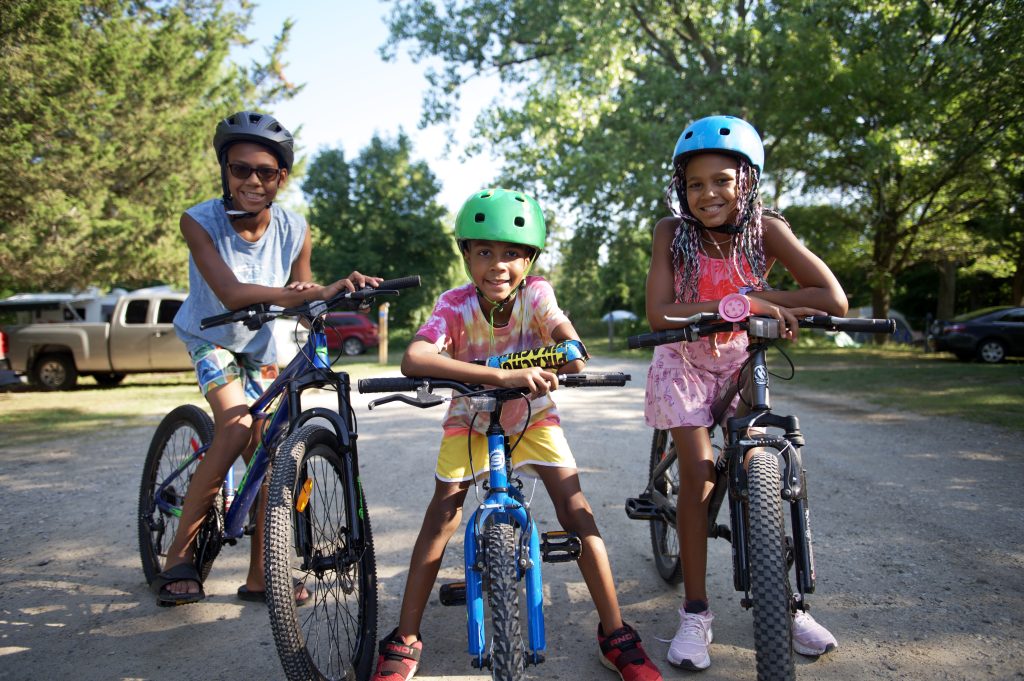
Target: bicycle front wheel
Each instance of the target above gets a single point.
(165, 479)
(309, 539)
(664, 537)
(769, 573)
(507, 650)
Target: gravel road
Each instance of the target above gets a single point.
(918, 529)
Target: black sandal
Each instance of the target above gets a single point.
(182, 572)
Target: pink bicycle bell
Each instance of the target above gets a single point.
(734, 307)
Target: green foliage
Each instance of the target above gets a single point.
(892, 111)
(379, 214)
(109, 108)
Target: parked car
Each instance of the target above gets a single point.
(990, 334)
(350, 332)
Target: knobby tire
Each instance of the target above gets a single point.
(507, 650)
(664, 537)
(334, 635)
(183, 431)
(769, 573)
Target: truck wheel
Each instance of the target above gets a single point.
(109, 380)
(55, 372)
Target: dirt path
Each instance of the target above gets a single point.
(918, 527)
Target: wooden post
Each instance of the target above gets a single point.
(382, 333)
(611, 332)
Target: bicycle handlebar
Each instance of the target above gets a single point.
(255, 316)
(707, 323)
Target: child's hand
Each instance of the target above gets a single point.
(788, 318)
(302, 286)
(352, 282)
(539, 381)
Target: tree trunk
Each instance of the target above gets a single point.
(946, 306)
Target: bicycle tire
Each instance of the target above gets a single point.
(184, 430)
(664, 537)
(507, 651)
(769, 574)
(334, 636)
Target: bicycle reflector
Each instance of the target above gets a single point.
(303, 500)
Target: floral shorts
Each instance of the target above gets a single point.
(216, 366)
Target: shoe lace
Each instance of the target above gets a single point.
(692, 626)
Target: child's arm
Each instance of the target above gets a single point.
(422, 358)
(661, 282)
(819, 292)
(566, 331)
(236, 295)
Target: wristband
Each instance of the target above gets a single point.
(734, 307)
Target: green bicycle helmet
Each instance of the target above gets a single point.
(502, 215)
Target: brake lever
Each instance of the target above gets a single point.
(423, 400)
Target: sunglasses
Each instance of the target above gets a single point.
(242, 171)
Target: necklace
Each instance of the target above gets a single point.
(713, 242)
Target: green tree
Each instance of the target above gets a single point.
(108, 108)
(380, 215)
(893, 110)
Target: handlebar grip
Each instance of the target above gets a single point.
(594, 380)
(216, 320)
(855, 325)
(396, 384)
(400, 283)
(649, 340)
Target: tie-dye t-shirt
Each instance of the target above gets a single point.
(459, 329)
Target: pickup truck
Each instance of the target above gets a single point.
(106, 338)
(138, 338)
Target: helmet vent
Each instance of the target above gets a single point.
(688, 135)
(723, 131)
(519, 222)
(254, 118)
(520, 199)
(479, 217)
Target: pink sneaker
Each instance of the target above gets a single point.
(621, 652)
(809, 637)
(689, 648)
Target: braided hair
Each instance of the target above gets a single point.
(748, 243)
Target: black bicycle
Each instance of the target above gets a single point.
(317, 524)
(772, 479)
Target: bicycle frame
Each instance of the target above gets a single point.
(504, 503)
(306, 370)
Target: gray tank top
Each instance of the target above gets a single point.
(267, 262)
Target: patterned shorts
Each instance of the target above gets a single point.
(216, 366)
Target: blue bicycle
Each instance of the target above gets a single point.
(502, 544)
(317, 525)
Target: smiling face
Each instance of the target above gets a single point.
(252, 194)
(497, 267)
(711, 189)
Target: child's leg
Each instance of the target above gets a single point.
(442, 518)
(231, 432)
(696, 481)
(574, 515)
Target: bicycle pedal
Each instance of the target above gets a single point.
(559, 546)
(453, 594)
(642, 508)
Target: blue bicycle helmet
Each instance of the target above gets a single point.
(721, 133)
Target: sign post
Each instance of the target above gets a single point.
(382, 332)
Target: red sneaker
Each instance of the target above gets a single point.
(621, 651)
(398, 660)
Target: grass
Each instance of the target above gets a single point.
(893, 377)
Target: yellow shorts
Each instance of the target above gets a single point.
(540, 446)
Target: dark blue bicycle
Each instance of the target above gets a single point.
(502, 544)
(317, 524)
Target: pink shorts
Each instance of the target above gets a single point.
(685, 380)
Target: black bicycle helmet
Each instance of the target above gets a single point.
(249, 126)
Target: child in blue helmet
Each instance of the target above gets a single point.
(243, 249)
(718, 241)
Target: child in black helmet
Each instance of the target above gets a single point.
(243, 250)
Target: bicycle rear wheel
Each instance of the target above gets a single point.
(334, 636)
(507, 650)
(664, 538)
(769, 573)
(181, 433)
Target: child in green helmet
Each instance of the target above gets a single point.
(500, 234)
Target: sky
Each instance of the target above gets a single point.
(352, 93)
